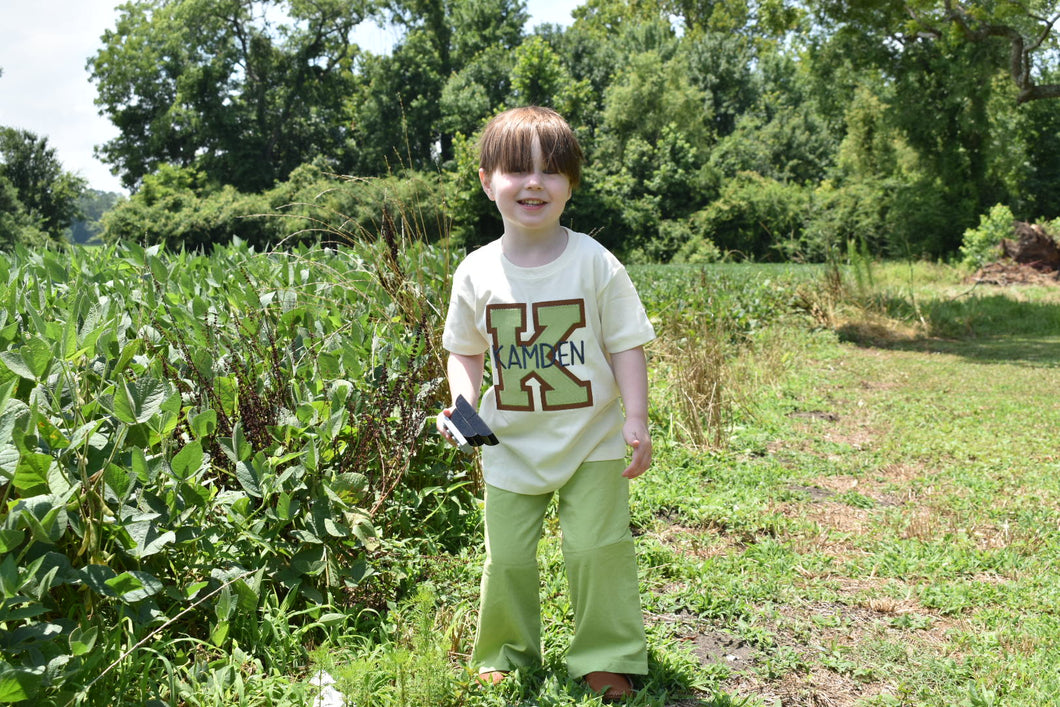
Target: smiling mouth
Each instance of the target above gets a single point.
(532, 202)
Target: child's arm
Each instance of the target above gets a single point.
(465, 378)
(631, 374)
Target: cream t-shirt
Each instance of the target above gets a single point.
(549, 331)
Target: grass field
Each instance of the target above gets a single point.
(881, 526)
(216, 489)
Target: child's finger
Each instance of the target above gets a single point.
(440, 425)
(641, 459)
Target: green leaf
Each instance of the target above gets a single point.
(334, 529)
(92, 325)
(309, 561)
(19, 684)
(140, 401)
(10, 539)
(246, 597)
(124, 583)
(236, 447)
(134, 586)
(37, 355)
(219, 633)
(118, 479)
(13, 360)
(51, 434)
(96, 576)
(68, 345)
(159, 271)
(283, 506)
(45, 515)
(140, 467)
(365, 531)
(31, 474)
(29, 610)
(249, 478)
(332, 619)
(188, 460)
(225, 605)
(227, 391)
(204, 424)
(329, 366)
(32, 360)
(82, 640)
(9, 457)
(6, 390)
(147, 538)
(9, 576)
(194, 588)
(131, 349)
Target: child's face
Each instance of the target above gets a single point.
(529, 202)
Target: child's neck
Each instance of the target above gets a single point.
(533, 249)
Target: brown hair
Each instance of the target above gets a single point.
(507, 143)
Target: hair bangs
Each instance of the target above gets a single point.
(507, 143)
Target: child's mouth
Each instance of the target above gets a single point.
(532, 202)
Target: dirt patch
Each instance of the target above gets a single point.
(822, 688)
(720, 648)
(1007, 273)
(814, 494)
(710, 645)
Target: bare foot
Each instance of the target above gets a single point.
(613, 685)
(493, 677)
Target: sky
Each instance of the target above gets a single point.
(44, 87)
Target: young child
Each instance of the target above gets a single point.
(564, 330)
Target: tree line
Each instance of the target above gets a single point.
(768, 129)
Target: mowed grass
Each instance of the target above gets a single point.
(884, 529)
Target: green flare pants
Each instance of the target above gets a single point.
(601, 573)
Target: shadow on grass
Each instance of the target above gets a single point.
(988, 329)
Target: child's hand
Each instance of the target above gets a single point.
(636, 433)
(446, 435)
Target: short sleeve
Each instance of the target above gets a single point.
(625, 322)
(461, 334)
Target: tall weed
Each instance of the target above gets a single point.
(707, 318)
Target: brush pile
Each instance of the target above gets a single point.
(1032, 256)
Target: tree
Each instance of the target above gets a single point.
(40, 190)
(409, 103)
(1026, 27)
(93, 204)
(246, 90)
(16, 226)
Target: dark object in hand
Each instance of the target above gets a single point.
(466, 427)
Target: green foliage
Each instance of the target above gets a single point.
(221, 450)
(411, 667)
(179, 209)
(227, 87)
(93, 204)
(445, 74)
(755, 217)
(675, 103)
(17, 226)
(36, 195)
(983, 244)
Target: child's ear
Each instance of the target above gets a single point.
(487, 184)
